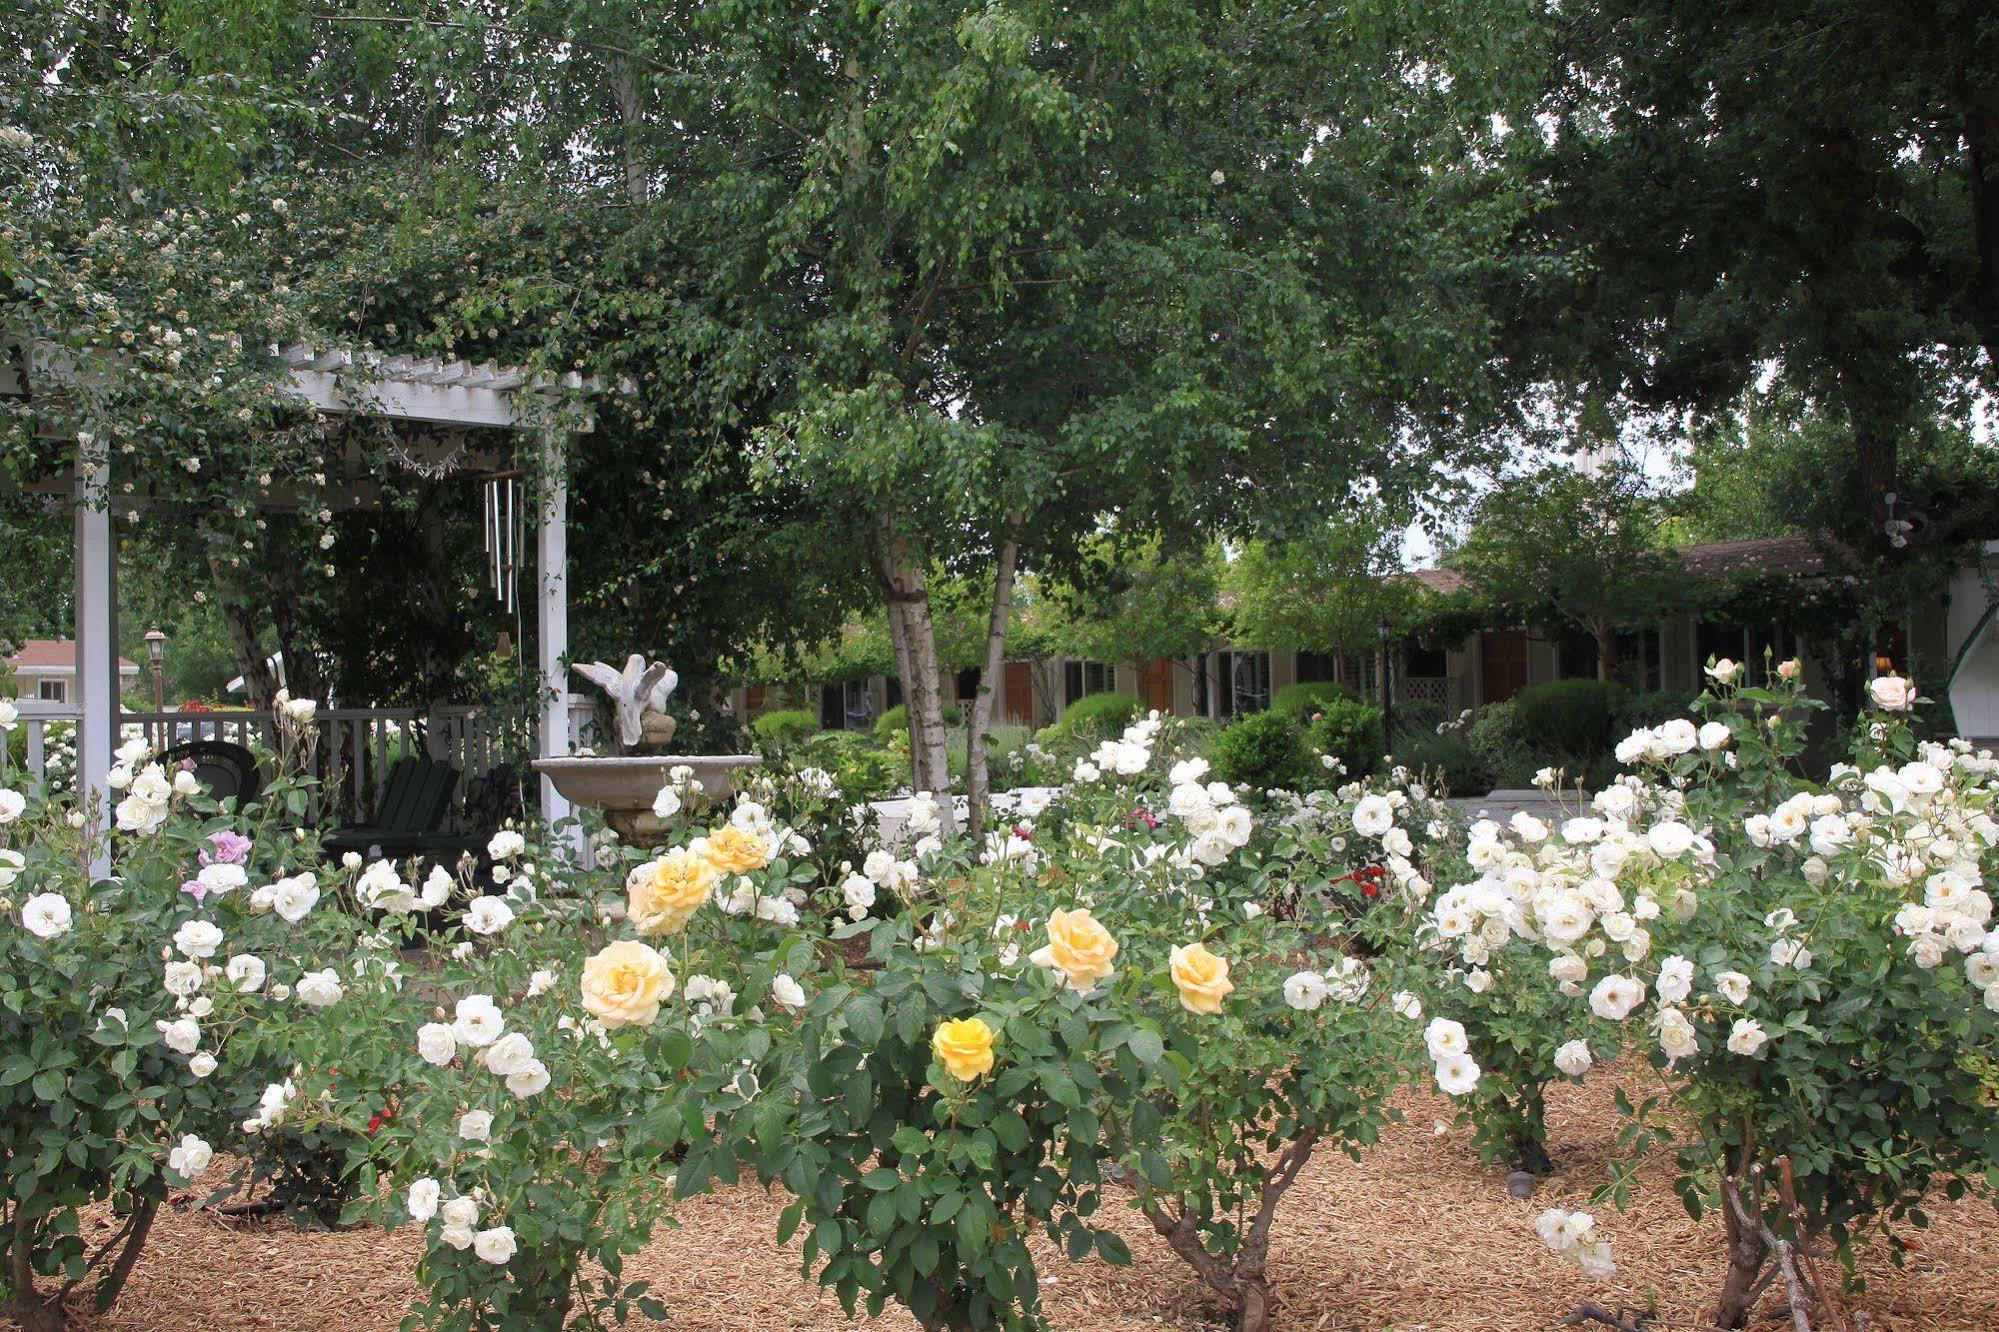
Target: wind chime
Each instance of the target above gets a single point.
(505, 535)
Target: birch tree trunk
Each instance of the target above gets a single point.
(978, 776)
(631, 115)
(910, 622)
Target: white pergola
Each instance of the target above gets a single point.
(362, 385)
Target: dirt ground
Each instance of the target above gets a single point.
(1416, 1236)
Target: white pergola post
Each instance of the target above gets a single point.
(552, 617)
(96, 645)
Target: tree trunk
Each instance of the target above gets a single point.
(908, 598)
(1606, 648)
(25, 1304)
(631, 117)
(1745, 1263)
(978, 727)
(1253, 1308)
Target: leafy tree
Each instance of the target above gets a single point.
(1134, 601)
(1574, 551)
(1327, 590)
(1812, 184)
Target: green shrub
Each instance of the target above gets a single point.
(1300, 701)
(1447, 761)
(1263, 750)
(1417, 718)
(1650, 709)
(1575, 717)
(897, 719)
(1350, 731)
(1096, 716)
(785, 727)
(1498, 742)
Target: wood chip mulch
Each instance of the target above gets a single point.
(1416, 1237)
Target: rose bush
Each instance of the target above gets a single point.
(1810, 967)
(137, 1007)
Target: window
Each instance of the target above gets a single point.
(54, 691)
(1245, 682)
(1314, 667)
(1426, 663)
(968, 683)
(845, 706)
(1083, 678)
(1201, 684)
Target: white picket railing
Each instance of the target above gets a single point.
(355, 750)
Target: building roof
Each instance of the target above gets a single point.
(1714, 559)
(57, 656)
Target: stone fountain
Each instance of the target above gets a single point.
(624, 785)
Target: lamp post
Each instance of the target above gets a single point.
(156, 648)
(1387, 689)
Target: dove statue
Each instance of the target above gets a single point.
(634, 691)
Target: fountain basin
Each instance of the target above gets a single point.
(624, 785)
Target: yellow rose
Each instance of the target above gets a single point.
(1202, 977)
(1079, 948)
(624, 984)
(665, 893)
(733, 850)
(964, 1048)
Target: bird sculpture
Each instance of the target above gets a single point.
(639, 689)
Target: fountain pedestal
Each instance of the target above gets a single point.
(625, 785)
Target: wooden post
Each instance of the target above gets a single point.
(552, 617)
(96, 645)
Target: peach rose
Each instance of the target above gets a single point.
(964, 1047)
(664, 894)
(623, 985)
(1078, 947)
(1892, 693)
(733, 850)
(1202, 978)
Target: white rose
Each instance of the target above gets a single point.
(11, 805)
(1305, 991)
(787, 992)
(1445, 1038)
(292, 898)
(505, 845)
(1715, 735)
(436, 888)
(1574, 1058)
(46, 915)
(666, 804)
(1676, 979)
(1669, 840)
(496, 1246)
(488, 915)
(182, 1035)
(190, 1159)
(246, 972)
(423, 1199)
(182, 978)
(1615, 996)
(508, 1055)
(1568, 967)
(198, 938)
(462, 1212)
(477, 1020)
(529, 1080)
(1746, 1037)
(321, 989)
(435, 1042)
(1457, 1075)
(1406, 1005)
(1373, 816)
(202, 1064)
(476, 1125)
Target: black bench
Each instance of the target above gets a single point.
(409, 814)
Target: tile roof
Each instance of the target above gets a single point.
(53, 654)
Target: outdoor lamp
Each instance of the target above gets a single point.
(156, 648)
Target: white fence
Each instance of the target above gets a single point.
(356, 748)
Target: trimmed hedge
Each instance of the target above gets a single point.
(1578, 717)
(1262, 750)
(1098, 716)
(897, 719)
(1350, 731)
(1300, 701)
(786, 726)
